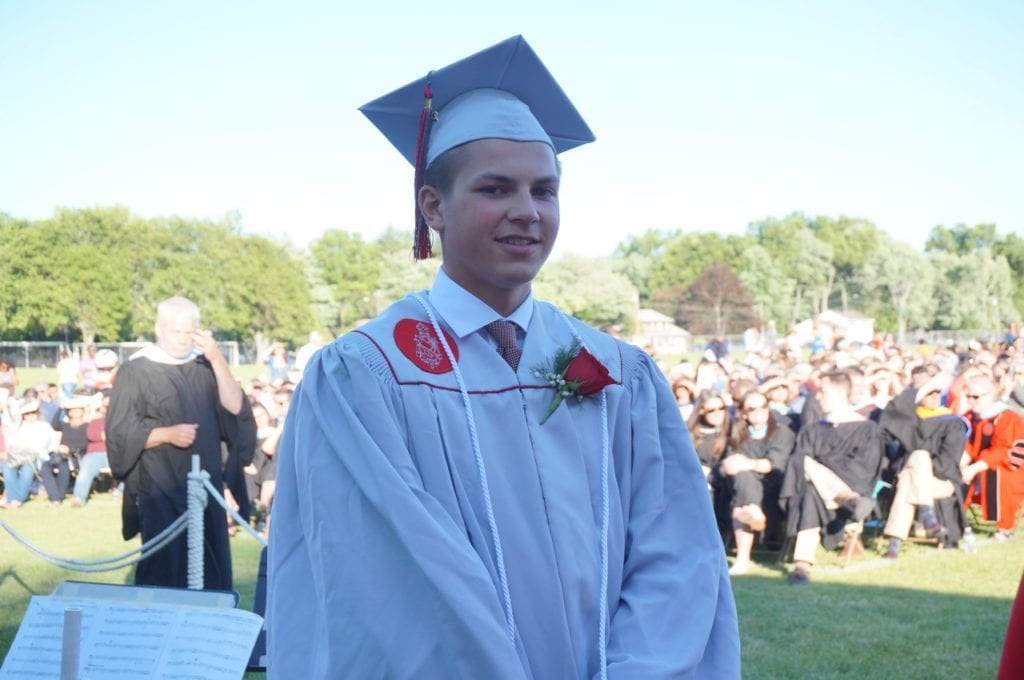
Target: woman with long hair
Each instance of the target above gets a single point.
(759, 448)
(709, 428)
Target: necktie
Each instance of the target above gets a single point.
(505, 333)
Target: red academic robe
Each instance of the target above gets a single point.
(1000, 489)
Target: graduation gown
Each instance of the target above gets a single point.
(999, 489)
(381, 560)
(851, 450)
(944, 437)
(150, 394)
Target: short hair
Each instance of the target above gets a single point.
(173, 306)
(982, 381)
(441, 173)
(840, 380)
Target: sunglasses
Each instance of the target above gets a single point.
(762, 407)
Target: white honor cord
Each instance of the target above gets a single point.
(481, 471)
(602, 626)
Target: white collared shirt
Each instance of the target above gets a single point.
(466, 314)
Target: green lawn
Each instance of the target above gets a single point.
(931, 614)
(30, 377)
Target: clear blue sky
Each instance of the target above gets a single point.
(708, 115)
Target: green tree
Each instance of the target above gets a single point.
(1012, 248)
(74, 270)
(803, 258)
(975, 290)
(401, 274)
(960, 239)
(852, 241)
(687, 255)
(770, 290)
(716, 302)
(906, 281)
(590, 289)
(352, 267)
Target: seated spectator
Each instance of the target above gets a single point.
(95, 457)
(926, 461)
(28, 447)
(709, 428)
(831, 476)
(106, 362)
(759, 448)
(882, 388)
(994, 455)
(686, 393)
(261, 472)
(56, 471)
(49, 409)
(777, 390)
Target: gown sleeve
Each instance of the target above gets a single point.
(676, 616)
(126, 426)
(368, 575)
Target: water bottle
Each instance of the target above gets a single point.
(969, 542)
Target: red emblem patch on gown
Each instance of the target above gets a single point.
(420, 345)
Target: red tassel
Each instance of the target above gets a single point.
(421, 249)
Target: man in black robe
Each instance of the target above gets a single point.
(171, 400)
(830, 478)
(925, 446)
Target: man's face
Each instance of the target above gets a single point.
(500, 219)
(833, 398)
(174, 336)
(981, 395)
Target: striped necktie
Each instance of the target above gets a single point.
(504, 332)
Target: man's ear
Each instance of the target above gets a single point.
(429, 200)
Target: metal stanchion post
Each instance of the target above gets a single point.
(71, 643)
(195, 525)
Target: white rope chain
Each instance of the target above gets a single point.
(499, 557)
(145, 550)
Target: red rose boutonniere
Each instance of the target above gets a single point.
(575, 372)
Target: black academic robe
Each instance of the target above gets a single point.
(944, 437)
(853, 451)
(147, 395)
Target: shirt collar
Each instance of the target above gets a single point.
(465, 313)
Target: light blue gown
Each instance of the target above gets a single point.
(382, 564)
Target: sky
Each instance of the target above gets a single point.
(708, 116)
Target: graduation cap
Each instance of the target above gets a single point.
(502, 92)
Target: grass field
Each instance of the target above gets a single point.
(30, 377)
(930, 614)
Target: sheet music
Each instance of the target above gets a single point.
(127, 641)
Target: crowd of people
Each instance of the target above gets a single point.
(798, 451)
(53, 445)
(802, 451)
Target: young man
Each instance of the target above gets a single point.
(443, 511)
(926, 461)
(831, 476)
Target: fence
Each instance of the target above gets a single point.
(44, 354)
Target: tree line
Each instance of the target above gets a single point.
(97, 273)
